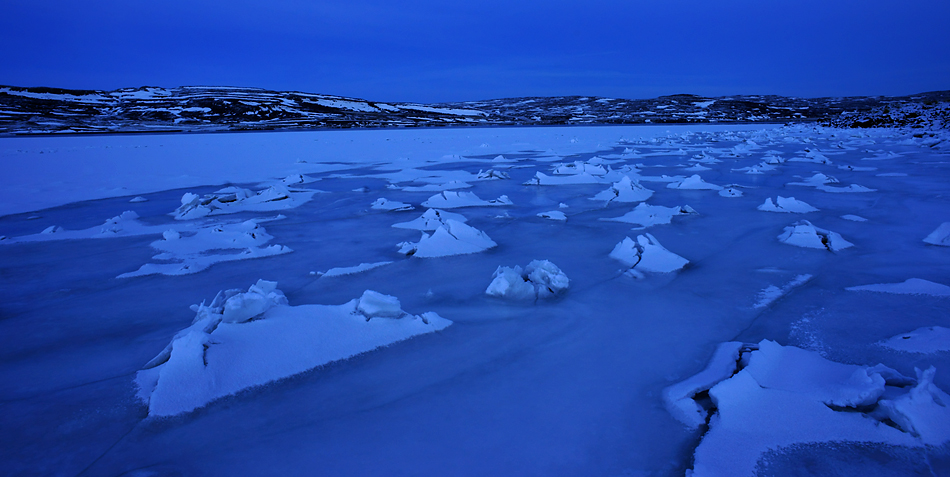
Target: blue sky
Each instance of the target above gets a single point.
(430, 51)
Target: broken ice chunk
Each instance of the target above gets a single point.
(923, 412)
(679, 398)
(492, 174)
(580, 167)
(626, 190)
(786, 204)
(553, 215)
(390, 205)
(940, 236)
(804, 234)
(647, 255)
(374, 304)
(453, 199)
(540, 279)
(647, 215)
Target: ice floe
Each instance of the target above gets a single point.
(541, 279)
(430, 220)
(492, 174)
(236, 199)
(453, 200)
(648, 215)
(390, 205)
(246, 339)
(693, 182)
(451, 237)
(929, 339)
(804, 234)
(940, 236)
(209, 245)
(647, 255)
(765, 396)
(786, 204)
(626, 190)
(911, 286)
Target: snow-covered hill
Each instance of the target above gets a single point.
(39, 110)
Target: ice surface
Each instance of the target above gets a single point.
(647, 255)
(553, 215)
(804, 234)
(911, 286)
(929, 339)
(573, 386)
(786, 204)
(541, 279)
(223, 353)
(940, 236)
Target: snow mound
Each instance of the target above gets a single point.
(207, 246)
(125, 224)
(453, 200)
(647, 255)
(450, 238)
(648, 215)
(911, 286)
(138, 199)
(731, 192)
(390, 205)
(811, 156)
(815, 181)
(854, 188)
(804, 234)
(693, 182)
(940, 236)
(626, 190)
(252, 338)
(232, 200)
(931, 339)
(787, 205)
(553, 215)
(340, 271)
(766, 396)
(541, 279)
(430, 220)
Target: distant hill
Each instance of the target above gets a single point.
(39, 110)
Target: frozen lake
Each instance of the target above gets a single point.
(542, 381)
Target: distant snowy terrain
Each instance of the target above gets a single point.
(615, 300)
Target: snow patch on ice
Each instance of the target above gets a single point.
(626, 190)
(452, 200)
(390, 205)
(911, 286)
(451, 237)
(647, 255)
(929, 339)
(232, 200)
(772, 293)
(787, 205)
(340, 271)
(940, 236)
(430, 220)
(648, 215)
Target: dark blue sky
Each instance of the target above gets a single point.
(429, 51)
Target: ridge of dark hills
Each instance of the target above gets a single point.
(43, 111)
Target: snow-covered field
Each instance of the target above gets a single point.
(638, 300)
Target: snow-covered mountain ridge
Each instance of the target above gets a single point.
(41, 110)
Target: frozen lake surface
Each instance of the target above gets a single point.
(412, 332)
